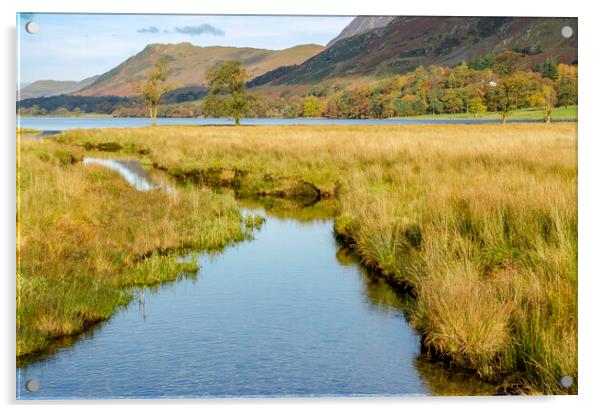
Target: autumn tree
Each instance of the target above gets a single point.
(453, 101)
(358, 103)
(504, 97)
(507, 62)
(476, 105)
(333, 107)
(513, 92)
(545, 99)
(154, 88)
(435, 105)
(566, 85)
(382, 106)
(311, 107)
(227, 96)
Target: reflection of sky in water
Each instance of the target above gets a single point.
(129, 170)
(276, 316)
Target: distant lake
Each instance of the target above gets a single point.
(59, 124)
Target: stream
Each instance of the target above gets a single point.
(290, 313)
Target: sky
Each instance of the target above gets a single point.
(77, 46)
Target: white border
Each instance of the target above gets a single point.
(590, 207)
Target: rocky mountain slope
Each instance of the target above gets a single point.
(407, 42)
(362, 24)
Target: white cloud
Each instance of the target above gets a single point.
(200, 29)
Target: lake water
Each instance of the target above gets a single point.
(58, 124)
(290, 313)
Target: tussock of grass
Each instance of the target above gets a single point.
(480, 221)
(85, 236)
(463, 317)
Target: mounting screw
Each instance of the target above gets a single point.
(32, 385)
(566, 32)
(566, 381)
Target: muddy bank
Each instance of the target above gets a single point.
(247, 185)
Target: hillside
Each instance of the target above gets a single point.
(408, 42)
(362, 24)
(52, 88)
(189, 64)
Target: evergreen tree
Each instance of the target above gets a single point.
(550, 69)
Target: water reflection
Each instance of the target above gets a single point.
(444, 380)
(132, 171)
(441, 379)
(299, 210)
(39, 135)
(377, 291)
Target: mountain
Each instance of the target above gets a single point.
(52, 87)
(362, 24)
(408, 42)
(189, 64)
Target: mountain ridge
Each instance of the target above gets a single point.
(48, 87)
(361, 24)
(408, 42)
(189, 65)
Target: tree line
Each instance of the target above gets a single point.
(492, 83)
(500, 84)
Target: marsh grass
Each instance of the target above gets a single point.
(85, 236)
(479, 221)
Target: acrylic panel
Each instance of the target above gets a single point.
(295, 206)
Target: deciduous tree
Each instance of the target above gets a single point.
(476, 105)
(227, 95)
(507, 62)
(311, 107)
(154, 88)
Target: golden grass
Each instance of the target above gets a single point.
(480, 221)
(25, 131)
(85, 236)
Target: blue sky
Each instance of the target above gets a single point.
(76, 46)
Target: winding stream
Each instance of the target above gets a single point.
(290, 313)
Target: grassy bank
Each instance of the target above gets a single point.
(560, 113)
(85, 236)
(27, 131)
(479, 221)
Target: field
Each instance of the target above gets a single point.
(478, 222)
